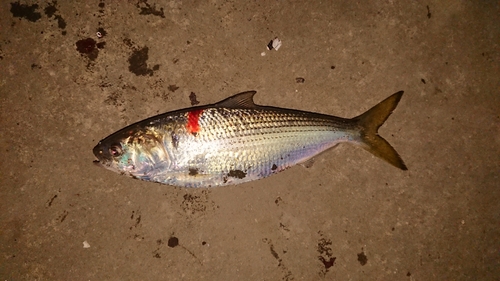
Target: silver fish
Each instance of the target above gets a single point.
(236, 141)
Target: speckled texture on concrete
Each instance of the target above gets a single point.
(348, 217)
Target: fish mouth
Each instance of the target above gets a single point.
(97, 163)
(103, 163)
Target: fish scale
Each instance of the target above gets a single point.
(276, 140)
(236, 141)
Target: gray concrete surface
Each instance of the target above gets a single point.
(348, 217)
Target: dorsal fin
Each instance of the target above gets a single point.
(241, 100)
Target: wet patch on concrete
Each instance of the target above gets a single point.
(172, 88)
(192, 99)
(147, 9)
(362, 258)
(115, 99)
(28, 12)
(101, 32)
(62, 216)
(287, 274)
(158, 87)
(325, 254)
(193, 204)
(88, 48)
(278, 201)
(138, 60)
(136, 217)
(173, 242)
(51, 11)
(196, 204)
(49, 203)
(156, 253)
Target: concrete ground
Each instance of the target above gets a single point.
(350, 216)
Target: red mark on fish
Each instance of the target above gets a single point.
(193, 125)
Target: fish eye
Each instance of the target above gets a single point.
(115, 150)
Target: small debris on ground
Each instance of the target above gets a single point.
(274, 44)
(86, 245)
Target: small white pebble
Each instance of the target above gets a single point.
(86, 245)
(263, 53)
(276, 43)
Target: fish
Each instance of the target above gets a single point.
(236, 141)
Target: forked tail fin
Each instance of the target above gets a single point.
(370, 121)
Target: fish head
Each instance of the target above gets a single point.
(139, 155)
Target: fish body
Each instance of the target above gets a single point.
(236, 141)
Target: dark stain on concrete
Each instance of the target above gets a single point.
(273, 252)
(128, 42)
(100, 45)
(25, 11)
(278, 200)
(138, 62)
(287, 274)
(325, 254)
(173, 242)
(102, 31)
(173, 88)
(87, 47)
(147, 9)
(193, 204)
(63, 216)
(136, 215)
(192, 98)
(49, 203)
(115, 99)
(362, 257)
(61, 23)
(51, 11)
(328, 262)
